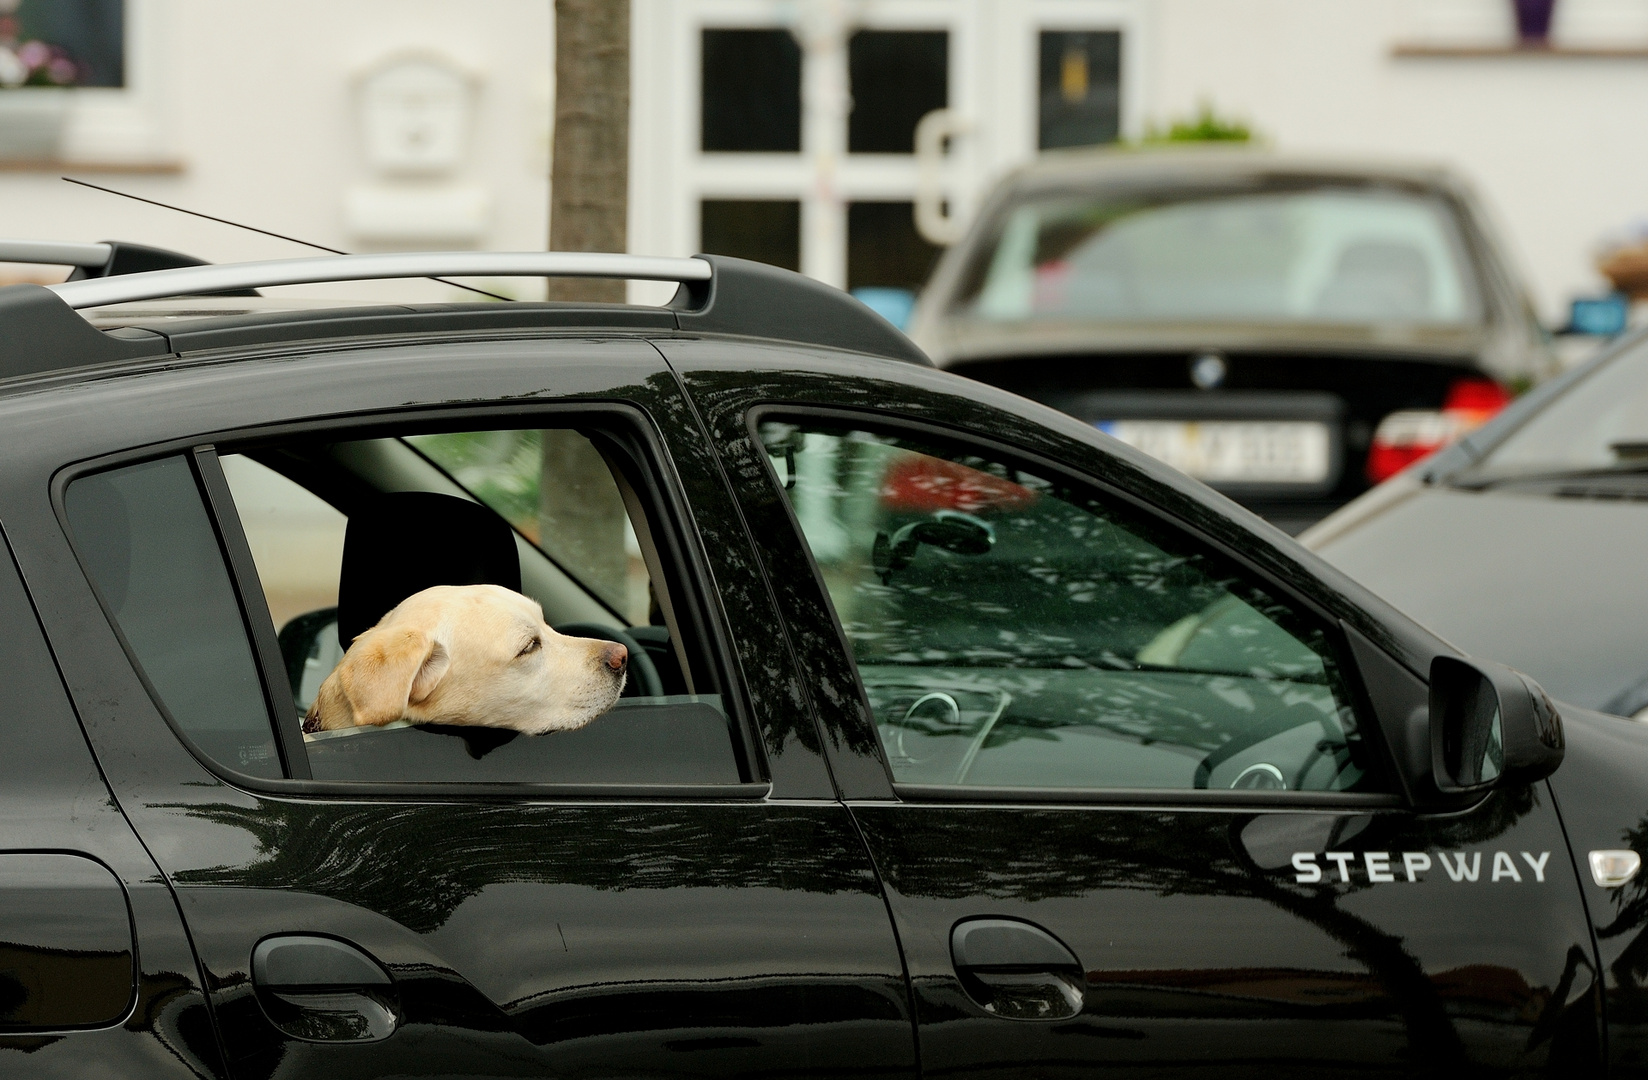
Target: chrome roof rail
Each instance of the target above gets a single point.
(40, 330)
(55, 252)
(226, 277)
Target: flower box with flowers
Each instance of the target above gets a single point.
(34, 95)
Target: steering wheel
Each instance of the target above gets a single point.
(1294, 716)
(645, 681)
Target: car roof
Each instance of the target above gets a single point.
(132, 319)
(1191, 165)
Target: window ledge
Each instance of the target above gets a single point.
(1419, 51)
(157, 166)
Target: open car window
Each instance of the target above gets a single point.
(1013, 630)
(334, 533)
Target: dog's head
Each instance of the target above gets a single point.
(470, 654)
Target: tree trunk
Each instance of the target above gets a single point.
(588, 210)
(589, 192)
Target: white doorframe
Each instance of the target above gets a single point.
(994, 75)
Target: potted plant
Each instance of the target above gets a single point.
(34, 81)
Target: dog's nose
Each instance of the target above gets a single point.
(615, 656)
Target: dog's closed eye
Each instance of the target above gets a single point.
(530, 647)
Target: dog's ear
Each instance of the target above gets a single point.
(385, 674)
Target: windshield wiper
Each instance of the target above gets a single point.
(1481, 482)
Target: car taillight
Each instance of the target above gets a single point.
(924, 484)
(1414, 434)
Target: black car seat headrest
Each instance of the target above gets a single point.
(403, 542)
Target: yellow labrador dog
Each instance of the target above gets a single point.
(477, 655)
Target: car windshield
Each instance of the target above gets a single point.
(1318, 254)
(1599, 423)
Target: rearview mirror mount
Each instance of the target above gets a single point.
(1489, 725)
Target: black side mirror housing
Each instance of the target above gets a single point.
(1489, 725)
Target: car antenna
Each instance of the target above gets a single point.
(265, 232)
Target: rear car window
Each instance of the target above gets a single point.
(1322, 254)
(160, 550)
(146, 540)
(1013, 630)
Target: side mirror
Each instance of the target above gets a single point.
(952, 530)
(309, 645)
(1489, 725)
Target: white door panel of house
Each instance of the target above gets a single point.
(784, 130)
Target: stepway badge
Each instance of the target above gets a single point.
(1380, 866)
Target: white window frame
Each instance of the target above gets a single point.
(993, 88)
(124, 126)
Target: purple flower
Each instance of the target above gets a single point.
(34, 54)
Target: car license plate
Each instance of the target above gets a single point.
(1233, 451)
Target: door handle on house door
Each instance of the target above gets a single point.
(1016, 970)
(320, 989)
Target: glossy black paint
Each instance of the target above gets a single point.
(665, 932)
(66, 943)
(1201, 950)
(525, 933)
(1599, 789)
(62, 832)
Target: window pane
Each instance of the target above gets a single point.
(1081, 88)
(764, 230)
(1012, 631)
(751, 91)
(898, 76)
(296, 538)
(883, 248)
(578, 520)
(89, 36)
(145, 537)
(1311, 254)
(375, 521)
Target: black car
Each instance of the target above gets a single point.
(961, 738)
(1525, 541)
(1287, 330)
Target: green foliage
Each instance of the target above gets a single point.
(1205, 126)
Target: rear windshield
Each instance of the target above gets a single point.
(1315, 254)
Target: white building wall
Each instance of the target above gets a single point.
(253, 105)
(1549, 140)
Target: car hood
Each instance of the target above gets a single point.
(1551, 586)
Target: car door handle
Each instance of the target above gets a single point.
(1016, 970)
(320, 989)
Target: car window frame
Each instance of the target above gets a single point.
(652, 476)
(1360, 702)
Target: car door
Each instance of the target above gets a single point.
(1132, 795)
(96, 973)
(380, 910)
